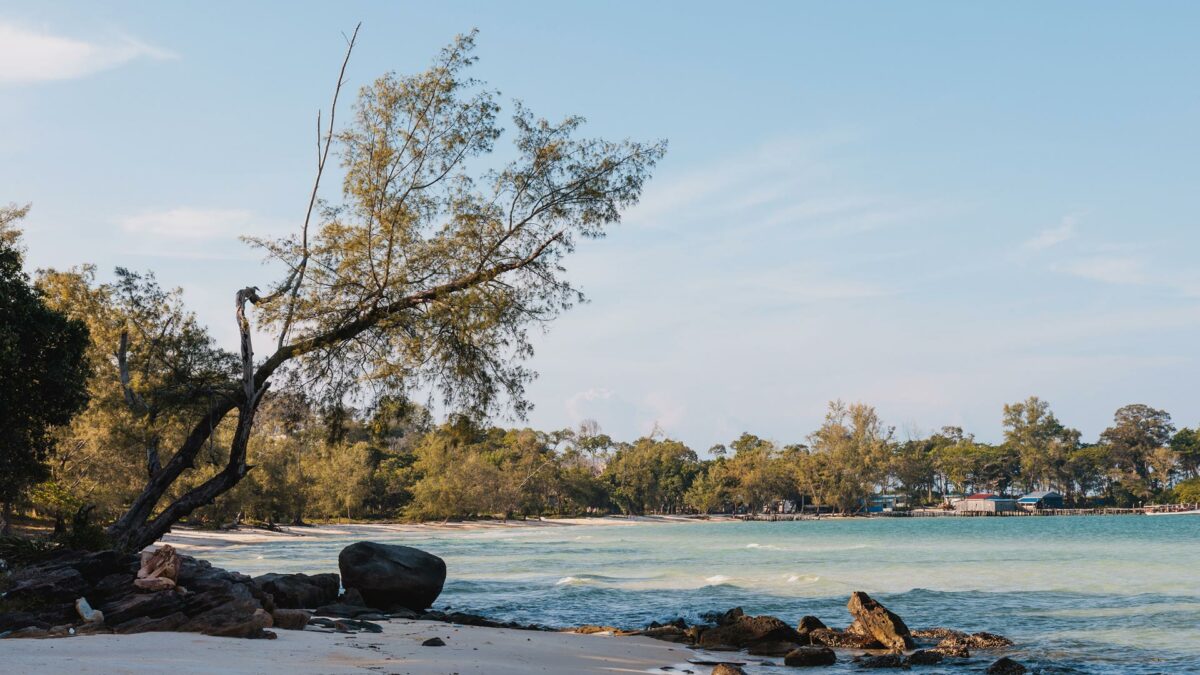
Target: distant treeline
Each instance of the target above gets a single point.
(314, 456)
(392, 461)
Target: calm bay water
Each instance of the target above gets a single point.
(1105, 594)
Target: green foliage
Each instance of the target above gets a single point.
(17, 552)
(651, 475)
(1188, 491)
(43, 369)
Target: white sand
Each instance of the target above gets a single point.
(193, 540)
(494, 651)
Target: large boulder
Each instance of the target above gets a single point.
(748, 631)
(875, 620)
(389, 576)
(300, 591)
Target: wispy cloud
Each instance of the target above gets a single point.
(1053, 236)
(1109, 269)
(191, 223)
(29, 55)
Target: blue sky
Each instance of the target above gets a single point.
(934, 207)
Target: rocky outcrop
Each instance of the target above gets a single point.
(810, 657)
(200, 597)
(837, 639)
(392, 576)
(878, 622)
(748, 631)
(925, 657)
(301, 591)
(959, 644)
(727, 669)
(882, 661)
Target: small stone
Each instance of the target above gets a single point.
(727, 669)
(925, 657)
(86, 612)
(772, 648)
(291, 619)
(433, 642)
(882, 661)
(809, 656)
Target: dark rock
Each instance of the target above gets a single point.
(808, 624)
(938, 633)
(300, 591)
(29, 632)
(668, 633)
(952, 647)
(231, 620)
(290, 619)
(48, 585)
(727, 669)
(343, 611)
(982, 640)
(145, 624)
(878, 622)
(723, 618)
(352, 597)
(842, 640)
(593, 630)
(772, 648)
(433, 642)
(389, 575)
(356, 626)
(809, 656)
(746, 631)
(925, 657)
(111, 586)
(141, 605)
(17, 620)
(1006, 666)
(882, 661)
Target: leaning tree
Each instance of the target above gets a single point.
(428, 273)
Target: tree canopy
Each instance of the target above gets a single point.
(43, 366)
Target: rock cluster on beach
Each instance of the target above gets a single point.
(78, 593)
(111, 592)
(179, 593)
(877, 638)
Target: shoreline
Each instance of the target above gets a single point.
(398, 649)
(186, 538)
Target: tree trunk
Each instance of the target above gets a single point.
(136, 529)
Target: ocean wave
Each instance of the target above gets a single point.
(717, 579)
(803, 578)
(769, 547)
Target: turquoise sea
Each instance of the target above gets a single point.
(1097, 594)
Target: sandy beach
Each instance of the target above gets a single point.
(195, 541)
(398, 650)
